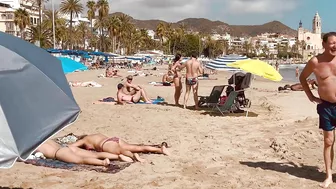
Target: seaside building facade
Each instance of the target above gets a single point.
(7, 9)
(312, 40)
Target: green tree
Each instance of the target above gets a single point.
(21, 19)
(71, 8)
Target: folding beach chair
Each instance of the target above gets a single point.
(229, 105)
(213, 98)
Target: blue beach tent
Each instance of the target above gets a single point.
(70, 65)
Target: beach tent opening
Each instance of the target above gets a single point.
(70, 65)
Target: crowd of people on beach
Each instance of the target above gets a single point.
(98, 149)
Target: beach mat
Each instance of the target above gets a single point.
(161, 85)
(154, 101)
(108, 99)
(113, 168)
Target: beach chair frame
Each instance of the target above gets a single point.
(213, 99)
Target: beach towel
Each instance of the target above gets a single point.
(158, 100)
(108, 99)
(114, 167)
(161, 84)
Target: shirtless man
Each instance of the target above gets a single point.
(124, 98)
(194, 69)
(324, 68)
(72, 154)
(130, 89)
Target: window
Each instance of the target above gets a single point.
(34, 20)
(31, 20)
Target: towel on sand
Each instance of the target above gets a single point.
(107, 99)
(114, 167)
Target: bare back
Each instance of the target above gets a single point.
(48, 149)
(325, 72)
(91, 142)
(193, 68)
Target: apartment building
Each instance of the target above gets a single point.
(7, 9)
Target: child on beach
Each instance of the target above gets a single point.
(115, 145)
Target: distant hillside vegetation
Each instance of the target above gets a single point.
(207, 26)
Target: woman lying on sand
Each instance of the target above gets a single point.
(84, 84)
(128, 98)
(73, 154)
(298, 87)
(115, 145)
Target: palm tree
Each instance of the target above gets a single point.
(103, 10)
(60, 24)
(21, 19)
(82, 30)
(125, 30)
(71, 7)
(303, 45)
(160, 31)
(113, 25)
(39, 4)
(91, 13)
(45, 37)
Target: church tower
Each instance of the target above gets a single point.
(317, 27)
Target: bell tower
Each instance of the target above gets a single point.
(317, 25)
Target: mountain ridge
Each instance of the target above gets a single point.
(207, 26)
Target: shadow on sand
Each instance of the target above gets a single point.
(218, 114)
(302, 171)
(1, 187)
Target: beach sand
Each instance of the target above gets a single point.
(278, 146)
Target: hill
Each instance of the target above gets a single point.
(207, 26)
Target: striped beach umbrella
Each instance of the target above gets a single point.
(221, 63)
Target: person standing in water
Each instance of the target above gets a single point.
(324, 68)
(193, 70)
(297, 72)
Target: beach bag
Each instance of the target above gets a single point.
(222, 99)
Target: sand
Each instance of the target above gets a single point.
(278, 146)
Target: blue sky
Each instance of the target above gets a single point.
(238, 12)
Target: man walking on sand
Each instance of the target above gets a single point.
(324, 68)
(193, 70)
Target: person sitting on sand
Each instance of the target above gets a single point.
(72, 154)
(167, 78)
(131, 89)
(298, 87)
(84, 84)
(115, 145)
(111, 72)
(123, 98)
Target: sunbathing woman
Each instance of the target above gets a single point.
(73, 154)
(115, 145)
(127, 98)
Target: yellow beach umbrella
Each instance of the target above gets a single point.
(257, 67)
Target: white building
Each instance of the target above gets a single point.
(7, 9)
(151, 34)
(312, 39)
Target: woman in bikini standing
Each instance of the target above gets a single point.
(115, 145)
(177, 77)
